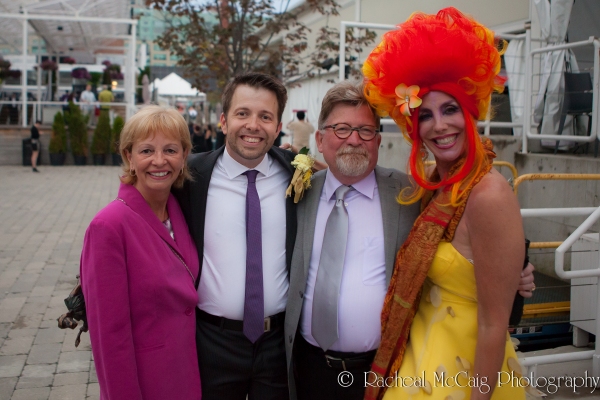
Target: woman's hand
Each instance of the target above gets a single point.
(527, 284)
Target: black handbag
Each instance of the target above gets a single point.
(76, 305)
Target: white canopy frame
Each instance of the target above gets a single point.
(82, 32)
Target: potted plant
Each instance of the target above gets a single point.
(115, 140)
(58, 141)
(78, 134)
(101, 138)
(80, 75)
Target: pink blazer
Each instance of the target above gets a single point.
(140, 301)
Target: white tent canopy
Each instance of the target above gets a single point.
(174, 85)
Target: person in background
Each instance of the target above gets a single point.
(105, 96)
(35, 144)
(87, 99)
(220, 137)
(301, 130)
(198, 141)
(210, 136)
(192, 114)
(138, 268)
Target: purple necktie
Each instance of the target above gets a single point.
(254, 314)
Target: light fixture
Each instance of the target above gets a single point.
(114, 84)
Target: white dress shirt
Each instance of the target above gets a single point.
(363, 286)
(223, 282)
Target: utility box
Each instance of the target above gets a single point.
(584, 291)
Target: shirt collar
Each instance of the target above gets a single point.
(233, 169)
(366, 186)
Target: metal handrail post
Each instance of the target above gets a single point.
(528, 89)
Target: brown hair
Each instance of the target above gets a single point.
(146, 123)
(344, 92)
(258, 81)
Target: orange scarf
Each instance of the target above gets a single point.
(437, 223)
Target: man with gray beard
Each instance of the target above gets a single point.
(333, 334)
(332, 323)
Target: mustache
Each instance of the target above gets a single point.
(352, 150)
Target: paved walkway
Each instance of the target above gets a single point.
(43, 218)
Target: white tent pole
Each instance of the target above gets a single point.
(24, 74)
(528, 90)
(130, 81)
(38, 114)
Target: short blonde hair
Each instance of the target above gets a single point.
(146, 123)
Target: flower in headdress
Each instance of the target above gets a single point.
(303, 163)
(407, 98)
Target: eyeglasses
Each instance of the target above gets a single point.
(343, 131)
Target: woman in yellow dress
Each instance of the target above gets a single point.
(445, 317)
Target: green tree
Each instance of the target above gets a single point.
(58, 141)
(118, 124)
(77, 131)
(102, 134)
(219, 39)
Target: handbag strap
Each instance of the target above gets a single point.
(170, 247)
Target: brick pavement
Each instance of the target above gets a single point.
(43, 218)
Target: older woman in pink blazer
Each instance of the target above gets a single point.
(138, 269)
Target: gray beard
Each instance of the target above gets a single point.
(352, 161)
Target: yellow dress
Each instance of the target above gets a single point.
(443, 337)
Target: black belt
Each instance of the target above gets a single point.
(341, 360)
(271, 323)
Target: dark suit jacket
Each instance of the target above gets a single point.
(192, 198)
(397, 223)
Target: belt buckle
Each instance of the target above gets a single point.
(267, 325)
(329, 358)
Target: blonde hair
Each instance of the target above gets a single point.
(147, 122)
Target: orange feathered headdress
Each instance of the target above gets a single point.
(446, 52)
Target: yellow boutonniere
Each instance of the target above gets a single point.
(303, 163)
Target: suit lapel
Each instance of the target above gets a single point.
(308, 212)
(285, 158)
(390, 211)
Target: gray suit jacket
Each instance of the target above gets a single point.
(397, 222)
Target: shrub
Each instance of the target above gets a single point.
(58, 141)
(118, 124)
(77, 131)
(102, 134)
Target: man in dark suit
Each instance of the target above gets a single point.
(241, 220)
(348, 137)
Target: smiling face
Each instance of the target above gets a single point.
(351, 159)
(157, 161)
(251, 124)
(442, 129)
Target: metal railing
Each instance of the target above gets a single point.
(559, 262)
(547, 177)
(592, 41)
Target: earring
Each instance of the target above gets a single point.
(132, 172)
(424, 152)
